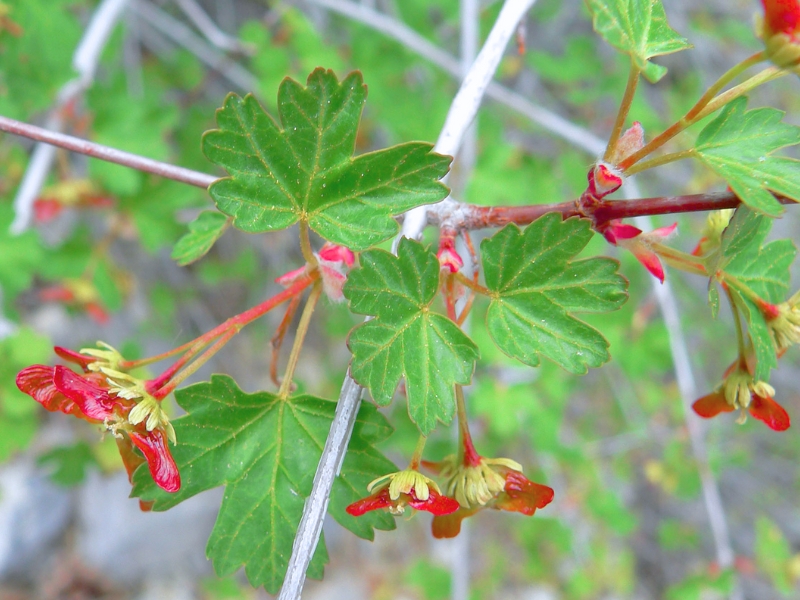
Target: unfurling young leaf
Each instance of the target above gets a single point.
(536, 286)
(638, 28)
(764, 269)
(302, 169)
(406, 339)
(264, 450)
(204, 231)
(738, 146)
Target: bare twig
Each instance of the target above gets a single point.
(469, 44)
(209, 29)
(409, 38)
(113, 155)
(185, 37)
(467, 101)
(85, 60)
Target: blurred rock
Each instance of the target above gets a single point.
(132, 547)
(33, 514)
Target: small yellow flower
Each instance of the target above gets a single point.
(475, 486)
(403, 482)
(107, 358)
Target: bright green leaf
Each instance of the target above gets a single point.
(738, 146)
(265, 450)
(406, 339)
(763, 269)
(536, 286)
(638, 28)
(302, 169)
(204, 231)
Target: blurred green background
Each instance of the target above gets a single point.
(630, 519)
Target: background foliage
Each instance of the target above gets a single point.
(629, 521)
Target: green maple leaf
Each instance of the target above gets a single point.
(638, 28)
(204, 231)
(303, 170)
(738, 146)
(264, 449)
(764, 269)
(535, 287)
(406, 339)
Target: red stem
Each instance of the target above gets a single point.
(235, 322)
(480, 217)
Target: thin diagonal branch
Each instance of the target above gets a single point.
(127, 159)
(548, 120)
(209, 29)
(468, 99)
(688, 391)
(182, 35)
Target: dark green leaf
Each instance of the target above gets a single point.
(406, 339)
(302, 169)
(638, 28)
(264, 449)
(204, 231)
(536, 286)
(738, 146)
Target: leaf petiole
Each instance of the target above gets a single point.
(703, 108)
(624, 108)
(299, 338)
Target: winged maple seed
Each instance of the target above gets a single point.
(395, 491)
(105, 395)
(739, 390)
(478, 482)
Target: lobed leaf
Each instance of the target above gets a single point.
(763, 268)
(265, 449)
(638, 28)
(738, 146)
(536, 286)
(406, 339)
(302, 169)
(204, 231)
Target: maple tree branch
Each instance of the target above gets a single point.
(211, 31)
(183, 35)
(468, 99)
(127, 159)
(392, 28)
(471, 216)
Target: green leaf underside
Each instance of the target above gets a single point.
(638, 28)
(204, 231)
(764, 268)
(737, 145)
(406, 339)
(536, 287)
(303, 170)
(265, 451)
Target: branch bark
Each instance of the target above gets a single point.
(127, 159)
